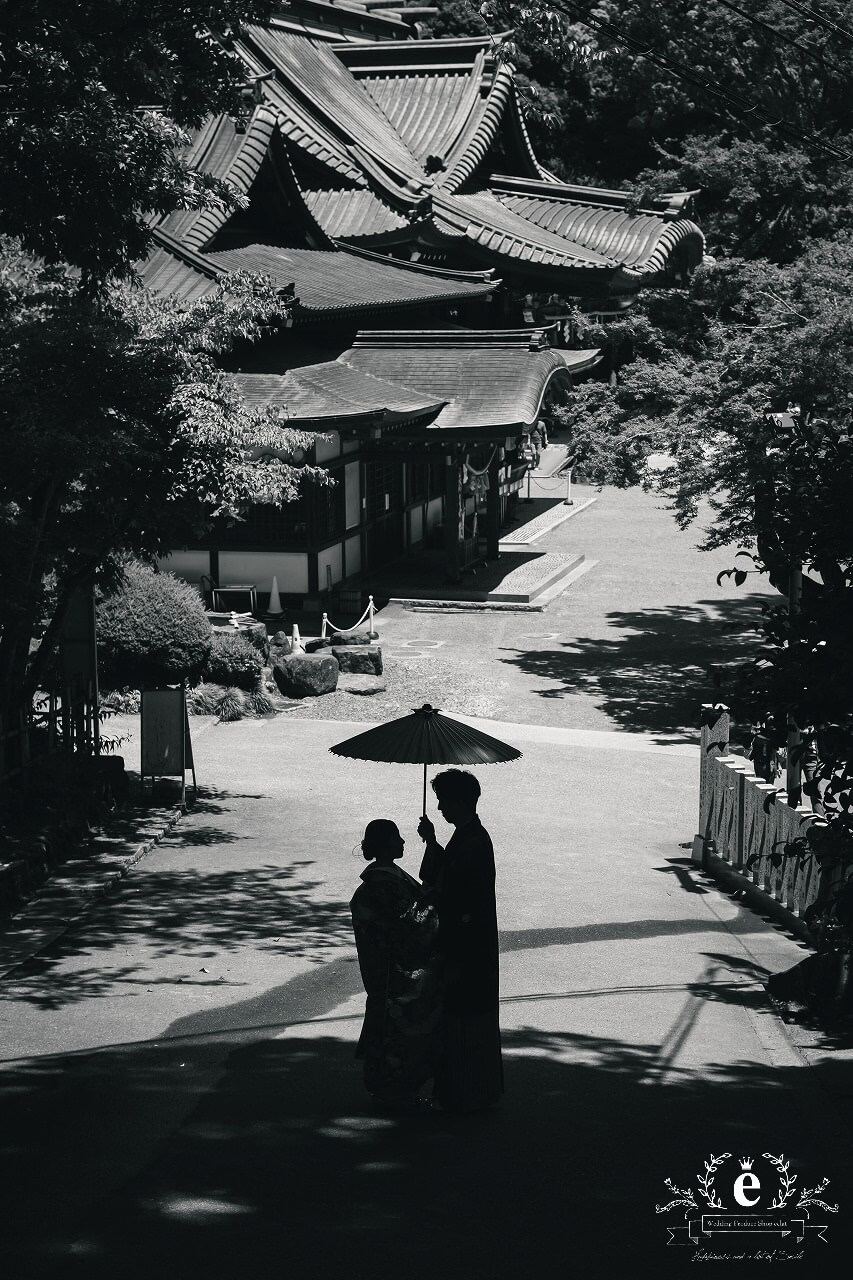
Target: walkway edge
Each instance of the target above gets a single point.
(67, 897)
(510, 542)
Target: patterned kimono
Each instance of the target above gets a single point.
(395, 934)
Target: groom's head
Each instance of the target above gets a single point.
(457, 793)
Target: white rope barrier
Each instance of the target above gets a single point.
(563, 481)
(368, 613)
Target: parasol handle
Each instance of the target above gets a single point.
(424, 809)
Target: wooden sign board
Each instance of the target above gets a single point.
(166, 746)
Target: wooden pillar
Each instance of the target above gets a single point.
(493, 507)
(452, 516)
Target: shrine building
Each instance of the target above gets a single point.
(431, 266)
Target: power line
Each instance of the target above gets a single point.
(683, 72)
(776, 34)
(805, 12)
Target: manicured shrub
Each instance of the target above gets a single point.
(233, 661)
(151, 631)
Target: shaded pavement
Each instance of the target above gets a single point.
(178, 1093)
(183, 1094)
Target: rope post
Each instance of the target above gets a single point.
(371, 634)
(323, 626)
(569, 500)
(528, 483)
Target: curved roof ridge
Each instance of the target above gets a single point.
(640, 241)
(486, 276)
(512, 232)
(409, 48)
(671, 203)
(299, 126)
(471, 149)
(324, 84)
(527, 144)
(230, 156)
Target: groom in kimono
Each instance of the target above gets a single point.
(469, 1071)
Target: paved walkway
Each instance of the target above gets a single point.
(180, 1086)
(178, 1094)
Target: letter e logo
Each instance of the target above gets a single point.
(746, 1182)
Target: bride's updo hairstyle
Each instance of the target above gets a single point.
(380, 836)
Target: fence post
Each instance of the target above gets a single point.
(714, 742)
(569, 500)
(323, 626)
(371, 633)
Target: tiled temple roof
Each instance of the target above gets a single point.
(219, 149)
(310, 70)
(386, 143)
(486, 221)
(322, 281)
(334, 393)
(404, 131)
(639, 240)
(490, 378)
(457, 381)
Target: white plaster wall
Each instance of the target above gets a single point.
(331, 556)
(416, 525)
(189, 565)
(434, 512)
(352, 494)
(353, 555)
(328, 447)
(290, 567)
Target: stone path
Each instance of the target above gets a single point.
(533, 530)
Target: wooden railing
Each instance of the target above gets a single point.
(744, 822)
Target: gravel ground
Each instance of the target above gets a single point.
(626, 646)
(410, 682)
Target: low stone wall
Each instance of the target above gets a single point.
(743, 822)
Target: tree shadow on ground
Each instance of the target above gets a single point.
(654, 674)
(190, 916)
(282, 1169)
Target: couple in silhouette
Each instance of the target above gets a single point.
(428, 953)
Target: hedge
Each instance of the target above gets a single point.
(234, 661)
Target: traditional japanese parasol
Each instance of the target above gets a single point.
(426, 737)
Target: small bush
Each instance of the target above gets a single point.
(152, 631)
(232, 705)
(122, 702)
(233, 661)
(203, 700)
(259, 703)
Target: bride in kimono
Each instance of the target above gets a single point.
(395, 931)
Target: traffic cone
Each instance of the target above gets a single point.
(274, 616)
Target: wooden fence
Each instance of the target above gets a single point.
(743, 822)
(66, 721)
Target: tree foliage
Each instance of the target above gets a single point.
(748, 103)
(738, 389)
(95, 99)
(120, 434)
